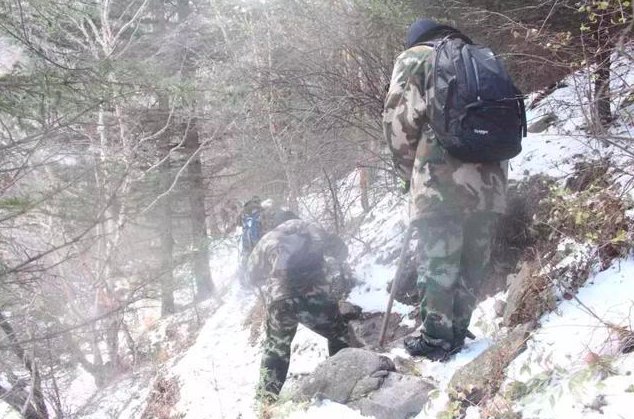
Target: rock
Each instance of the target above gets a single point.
(399, 397)
(482, 377)
(405, 366)
(499, 307)
(349, 311)
(368, 327)
(542, 123)
(517, 289)
(366, 381)
(344, 375)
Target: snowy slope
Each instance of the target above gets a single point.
(573, 361)
(219, 371)
(554, 151)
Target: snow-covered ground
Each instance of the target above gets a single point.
(573, 366)
(218, 373)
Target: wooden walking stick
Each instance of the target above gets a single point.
(395, 283)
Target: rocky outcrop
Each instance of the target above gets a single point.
(542, 123)
(368, 382)
(368, 327)
(399, 397)
(529, 296)
(345, 377)
(482, 377)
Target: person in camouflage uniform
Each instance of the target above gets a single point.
(454, 203)
(288, 267)
(260, 213)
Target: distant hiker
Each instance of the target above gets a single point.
(288, 266)
(249, 220)
(256, 219)
(452, 119)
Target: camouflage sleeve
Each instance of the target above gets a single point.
(279, 262)
(404, 112)
(256, 268)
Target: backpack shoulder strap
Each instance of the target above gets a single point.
(438, 42)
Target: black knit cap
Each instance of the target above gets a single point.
(424, 30)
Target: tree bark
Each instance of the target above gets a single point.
(363, 186)
(17, 399)
(165, 180)
(202, 273)
(602, 87)
(36, 404)
(196, 193)
(166, 250)
(601, 112)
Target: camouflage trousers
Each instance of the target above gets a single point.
(454, 257)
(318, 312)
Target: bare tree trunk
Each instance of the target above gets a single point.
(164, 219)
(336, 208)
(113, 324)
(601, 104)
(196, 193)
(602, 87)
(35, 401)
(56, 399)
(131, 344)
(202, 273)
(96, 370)
(18, 399)
(276, 132)
(363, 186)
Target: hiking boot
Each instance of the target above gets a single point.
(458, 342)
(456, 346)
(417, 346)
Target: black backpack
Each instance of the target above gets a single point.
(474, 108)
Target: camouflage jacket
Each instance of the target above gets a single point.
(440, 183)
(266, 215)
(290, 260)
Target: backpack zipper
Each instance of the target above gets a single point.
(477, 76)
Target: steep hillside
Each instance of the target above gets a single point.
(575, 363)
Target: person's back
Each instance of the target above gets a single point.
(454, 202)
(287, 265)
(289, 260)
(256, 219)
(440, 183)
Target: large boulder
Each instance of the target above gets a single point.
(346, 376)
(366, 381)
(482, 377)
(399, 397)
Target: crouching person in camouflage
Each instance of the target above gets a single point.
(454, 203)
(288, 266)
